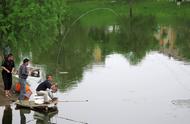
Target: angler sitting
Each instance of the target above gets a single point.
(46, 89)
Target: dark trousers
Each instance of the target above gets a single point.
(7, 79)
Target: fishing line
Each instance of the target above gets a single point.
(68, 119)
(74, 101)
(174, 75)
(185, 70)
(76, 20)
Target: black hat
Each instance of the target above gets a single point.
(26, 60)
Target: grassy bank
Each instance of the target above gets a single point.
(165, 12)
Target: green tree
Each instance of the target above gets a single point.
(25, 23)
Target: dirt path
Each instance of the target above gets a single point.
(4, 100)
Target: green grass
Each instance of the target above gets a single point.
(165, 12)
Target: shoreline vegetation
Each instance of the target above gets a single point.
(164, 11)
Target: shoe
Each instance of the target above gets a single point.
(54, 99)
(9, 94)
(6, 95)
(46, 102)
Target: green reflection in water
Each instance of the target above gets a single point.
(183, 38)
(136, 37)
(86, 45)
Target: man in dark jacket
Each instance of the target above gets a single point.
(44, 88)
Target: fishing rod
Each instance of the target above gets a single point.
(74, 22)
(68, 119)
(73, 101)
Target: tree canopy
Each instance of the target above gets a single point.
(36, 22)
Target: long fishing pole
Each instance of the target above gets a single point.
(73, 101)
(76, 20)
(73, 23)
(68, 119)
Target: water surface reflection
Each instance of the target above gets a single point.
(130, 71)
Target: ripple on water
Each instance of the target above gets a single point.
(182, 103)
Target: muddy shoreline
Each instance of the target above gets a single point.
(3, 99)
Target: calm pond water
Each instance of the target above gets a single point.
(120, 93)
(132, 71)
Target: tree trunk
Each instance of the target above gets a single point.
(130, 12)
(4, 6)
(130, 8)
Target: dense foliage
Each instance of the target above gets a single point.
(35, 22)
